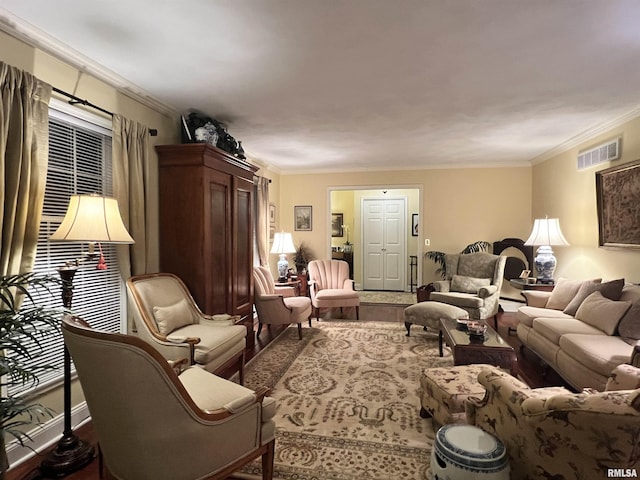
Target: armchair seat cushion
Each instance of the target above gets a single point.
(210, 392)
(337, 294)
(301, 306)
(215, 342)
(458, 299)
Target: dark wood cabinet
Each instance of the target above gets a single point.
(206, 218)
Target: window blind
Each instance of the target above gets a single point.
(79, 163)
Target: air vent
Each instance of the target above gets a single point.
(600, 154)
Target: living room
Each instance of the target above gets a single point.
(458, 204)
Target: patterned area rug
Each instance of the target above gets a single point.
(348, 404)
(397, 298)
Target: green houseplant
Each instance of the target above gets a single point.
(438, 257)
(23, 326)
(302, 257)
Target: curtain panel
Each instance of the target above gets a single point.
(262, 219)
(131, 147)
(24, 151)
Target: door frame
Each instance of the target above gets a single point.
(390, 188)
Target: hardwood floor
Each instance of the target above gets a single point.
(532, 371)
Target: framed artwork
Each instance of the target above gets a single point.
(303, 220)
(272, 213)
(414, 225)
(337, 220)
(618, 197)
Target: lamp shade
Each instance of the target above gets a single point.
(92, 218)
(546, 231)
(283, 243)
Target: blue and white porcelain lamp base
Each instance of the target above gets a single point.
(283, 267)
(545, 264)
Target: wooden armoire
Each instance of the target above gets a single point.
(206, 226)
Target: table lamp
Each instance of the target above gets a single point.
(283, 244)
(93, 219)
(546, 233)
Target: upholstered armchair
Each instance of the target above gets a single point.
(167, 317)
(331, 287)
(562, 435)
(473, 282)
(152, 422)
(278, 305)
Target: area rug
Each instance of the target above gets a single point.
(396, 298)
(348, 404)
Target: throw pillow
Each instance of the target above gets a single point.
(611, 290)
(629, 326)
(602, 313)
(564, 291)
(173, 316)
(460, 283)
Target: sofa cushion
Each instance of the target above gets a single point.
(629, 326)
(173, 316)
(553, 328)
(599, 353)
(611, 290)
(564, 291)
(602, 313)
(526, 314)
(462, 283)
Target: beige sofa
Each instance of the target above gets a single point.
(583, 329)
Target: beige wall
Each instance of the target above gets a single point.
(458, 206)
(560, 190)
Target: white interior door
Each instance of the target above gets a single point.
(384, 240)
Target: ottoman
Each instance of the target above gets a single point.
(428, 314)
(444, 390)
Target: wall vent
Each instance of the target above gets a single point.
(602, 153)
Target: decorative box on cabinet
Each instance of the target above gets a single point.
(206, 218)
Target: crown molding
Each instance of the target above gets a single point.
(586, 136)
(24, 31)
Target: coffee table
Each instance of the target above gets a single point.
(492, 349)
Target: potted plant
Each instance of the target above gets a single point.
(302, 258)
(438, 257)
(23, 326)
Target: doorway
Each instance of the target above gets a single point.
(384, 222)
(346, 202)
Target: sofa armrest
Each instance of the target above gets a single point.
(486, 292)
(536, 298)
(442, 286)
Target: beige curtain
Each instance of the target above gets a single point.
(262, 219)
(131, 149)
(24, 151)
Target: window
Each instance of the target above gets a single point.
(79, 163)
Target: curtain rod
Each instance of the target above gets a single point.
(76, 100)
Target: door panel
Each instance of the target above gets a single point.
(384, 239)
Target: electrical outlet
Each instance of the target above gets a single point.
(427, 242)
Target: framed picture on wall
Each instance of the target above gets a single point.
(337, 220)
(618, 198)
(272, 213)
(414, 225)
(302, 216)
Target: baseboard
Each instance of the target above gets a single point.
(46, 436)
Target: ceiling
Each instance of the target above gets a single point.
(335, 85)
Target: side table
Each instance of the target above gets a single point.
(521, 284)
(290, 283)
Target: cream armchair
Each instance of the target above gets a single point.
(567, 435)
(153, 423)
(166, 316)
(278, 305)
(473, 283)
(331, 287)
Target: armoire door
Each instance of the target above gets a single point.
(243, 248)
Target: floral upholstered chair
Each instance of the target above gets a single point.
(473, 282)
(562, 436)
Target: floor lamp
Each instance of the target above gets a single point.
(93, 219)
